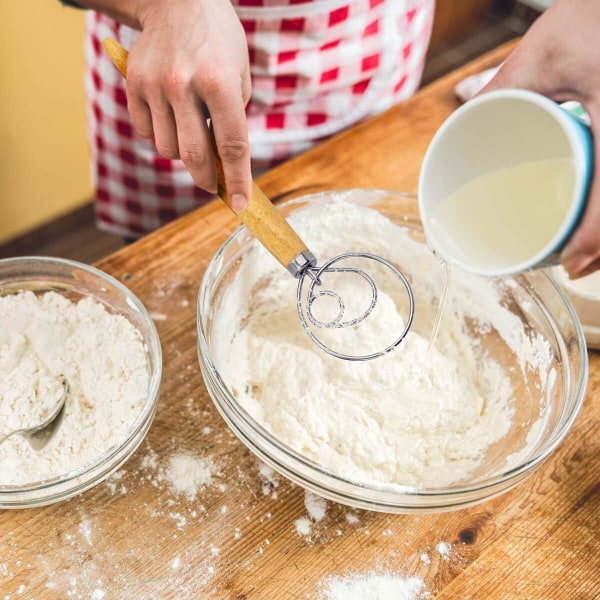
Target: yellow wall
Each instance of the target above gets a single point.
(44, 161)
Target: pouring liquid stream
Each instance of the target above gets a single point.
(439, 314)
(437, 320)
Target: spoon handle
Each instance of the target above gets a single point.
(260, 216)
(39, 435)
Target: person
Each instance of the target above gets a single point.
(275, 76)
(559, 57)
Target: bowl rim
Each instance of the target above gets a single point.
(143, 419)
(391, 490)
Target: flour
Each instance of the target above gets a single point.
(303, 526)
(188, 474)
(414, 417)
(270, 481)
(101, 357)
(85, 529)
(315, 505)
(29, 392)
(443, 549)
(181, 473)
(373, 586)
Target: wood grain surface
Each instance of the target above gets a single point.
(136, 537)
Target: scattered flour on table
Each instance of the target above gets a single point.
(185, 474)
(352, 518)
(373, 586)
(114, 483)
(85, 529)
(303, 526)
(443, 549)
(95, 555)
(315, 505)
(188, 474)
(270, 481)
(71, 569)
(101, 357)
(416, 417)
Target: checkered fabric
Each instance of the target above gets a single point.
(317, 67)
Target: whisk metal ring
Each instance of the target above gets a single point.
(314, 273)
(337, 322)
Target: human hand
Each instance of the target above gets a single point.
(192, 54)
(560, 57)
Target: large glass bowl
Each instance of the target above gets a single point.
(76, 281)
(534, 298)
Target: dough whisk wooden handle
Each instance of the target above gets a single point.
(260, 216)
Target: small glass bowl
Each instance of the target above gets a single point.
(534, 298)
(76, 281)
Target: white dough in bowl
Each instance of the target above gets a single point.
(419, 416)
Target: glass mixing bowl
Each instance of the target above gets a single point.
(545, 400)
(76, 281)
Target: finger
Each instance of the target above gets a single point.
(141, 117)
(165, 128)
(194, 143)
(591, 268)
(583, 249)
(139, 111)
(517, 71)
(231, 134)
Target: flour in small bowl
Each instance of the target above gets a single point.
(419, 417)
(47, 341)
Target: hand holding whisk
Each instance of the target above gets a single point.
(280, 239)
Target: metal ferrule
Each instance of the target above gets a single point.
(301, 262)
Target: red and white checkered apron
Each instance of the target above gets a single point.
(317, 67)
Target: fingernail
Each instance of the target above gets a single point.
(575, 262)
(238, 202)
(591, 268)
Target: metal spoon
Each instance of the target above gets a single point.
(40, 434)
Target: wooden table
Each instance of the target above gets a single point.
(135, 537)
